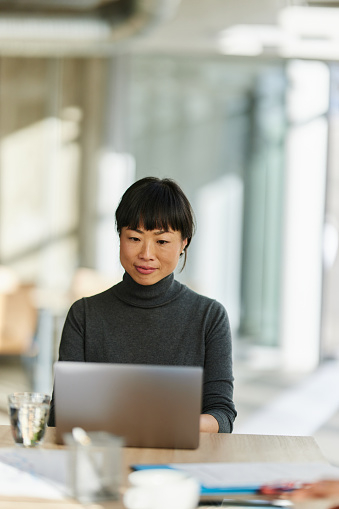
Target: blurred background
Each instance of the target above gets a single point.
(238, 101)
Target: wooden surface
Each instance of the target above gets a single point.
(212, 448)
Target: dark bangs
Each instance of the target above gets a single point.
(155, 204)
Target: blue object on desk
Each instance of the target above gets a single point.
(233, 490)
(204, 490)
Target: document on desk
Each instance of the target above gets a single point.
(36, 472)
(240, 478)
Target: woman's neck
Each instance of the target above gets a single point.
(147, 296)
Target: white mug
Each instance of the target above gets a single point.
(161, 489)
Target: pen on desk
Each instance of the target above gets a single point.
(256, 503)
(228, 502)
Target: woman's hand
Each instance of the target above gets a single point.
(208, 423)
(317, 490)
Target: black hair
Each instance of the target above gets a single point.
(156, 204)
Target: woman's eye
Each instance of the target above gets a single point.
(134, 239)
(162, 242)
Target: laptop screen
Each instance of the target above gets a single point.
(150, 406)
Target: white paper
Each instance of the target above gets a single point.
(242, 475)
(38, 473)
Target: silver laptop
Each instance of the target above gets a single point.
(150, 406)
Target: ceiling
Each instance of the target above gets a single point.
(230, 27)
(254, 28)
(77, 27)
(197, 23)
(49, 5)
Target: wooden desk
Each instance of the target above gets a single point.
(213, 448)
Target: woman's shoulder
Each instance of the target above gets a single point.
(201, 300)
(204, 308)
(93, 300)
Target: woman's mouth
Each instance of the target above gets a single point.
(145, 270)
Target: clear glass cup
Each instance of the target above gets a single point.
(28, 413)
(95, 468)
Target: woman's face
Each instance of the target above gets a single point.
(150, 255)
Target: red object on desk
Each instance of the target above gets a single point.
(278, 489)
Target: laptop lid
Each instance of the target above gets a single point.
(150, 406)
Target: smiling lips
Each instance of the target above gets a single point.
(145, 270)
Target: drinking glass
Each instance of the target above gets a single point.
(95, 466)
(28, 413)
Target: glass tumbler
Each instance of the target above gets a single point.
(28, 413)
(95, 467)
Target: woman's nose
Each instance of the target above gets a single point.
(146, 251)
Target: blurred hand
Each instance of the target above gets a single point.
(320, 489)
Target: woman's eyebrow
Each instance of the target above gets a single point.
(134, 230)
(159, 232)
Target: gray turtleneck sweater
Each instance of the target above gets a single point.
(162, 324)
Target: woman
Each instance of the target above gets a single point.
(149, 317)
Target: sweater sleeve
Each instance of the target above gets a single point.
(218, 375)
(71, 344)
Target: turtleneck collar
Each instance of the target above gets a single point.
(148, 296)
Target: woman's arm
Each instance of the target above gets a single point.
(218, 371)
(71, 344)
